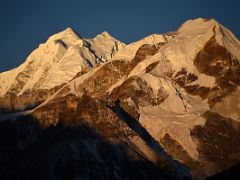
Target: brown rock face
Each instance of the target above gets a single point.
(218, 142)
(183, 79)
(144, 51)
(215, 60)
(110, 73)
(104, 78)
(12, 103)
(212, 60)
(178, 152)
(139, 91)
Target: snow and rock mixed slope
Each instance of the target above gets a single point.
(178, 91)
(52, 64)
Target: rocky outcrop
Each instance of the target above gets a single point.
(218, 142)
(26, 101)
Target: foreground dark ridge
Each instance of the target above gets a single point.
(151, 142)
(62, 152)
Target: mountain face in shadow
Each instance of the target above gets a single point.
(232, 173)
(71, 152)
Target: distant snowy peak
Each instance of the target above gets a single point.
(105, 46)
(198, 24)
(57, 61)
(68, 36)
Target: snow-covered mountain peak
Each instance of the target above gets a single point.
(57, 61)
(67, 37)
(208, 28)
(104, 34)
(197, 24)
(105, 45)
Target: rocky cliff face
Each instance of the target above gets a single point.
(172, 99)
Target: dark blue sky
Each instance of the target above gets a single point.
(27, 23)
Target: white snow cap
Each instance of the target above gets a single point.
(58, 60)
(198, 23)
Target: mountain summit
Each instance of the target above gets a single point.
(52, 64)
(166, 106)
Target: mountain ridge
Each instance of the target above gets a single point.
(181, 88)
(54, 63)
